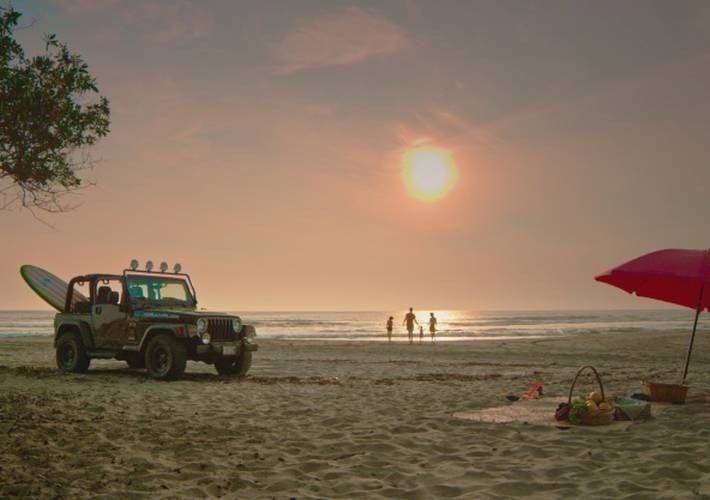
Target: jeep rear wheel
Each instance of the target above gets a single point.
(165, 357)
(234, 366)
(70, 353)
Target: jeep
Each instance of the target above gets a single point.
(149, 319)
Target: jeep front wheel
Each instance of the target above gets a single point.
(71, 355)
(165, 357)
(234, 366)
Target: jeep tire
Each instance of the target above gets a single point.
(70, 353)
(234, 366)
(165, 357)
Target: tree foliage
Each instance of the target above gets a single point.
(50, 112)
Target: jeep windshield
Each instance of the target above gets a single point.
(159, 291)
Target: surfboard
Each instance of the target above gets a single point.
(50, 288)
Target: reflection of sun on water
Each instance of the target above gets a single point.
(429, 173)
(443, 318)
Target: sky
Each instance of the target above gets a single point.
(261, 144)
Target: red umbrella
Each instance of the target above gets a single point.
(676, 276)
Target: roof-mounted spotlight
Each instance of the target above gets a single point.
(149, 265)
(177, 268)
(163, 267)
(134, 265)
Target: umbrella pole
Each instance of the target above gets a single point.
(692, 336)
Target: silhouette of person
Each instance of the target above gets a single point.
(390, 322)
(409, 320)
(432, 326)
(421, 333)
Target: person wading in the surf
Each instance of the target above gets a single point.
(409, 320)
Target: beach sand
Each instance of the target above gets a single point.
(319, 419)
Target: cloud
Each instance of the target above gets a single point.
(339, 39)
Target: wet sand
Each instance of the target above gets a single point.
(319, 419)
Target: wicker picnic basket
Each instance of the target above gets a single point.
(668, 393)
(592, 417)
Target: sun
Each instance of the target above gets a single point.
(429, 172)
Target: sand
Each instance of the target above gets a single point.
(322, 419)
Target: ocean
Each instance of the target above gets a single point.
(452, 325)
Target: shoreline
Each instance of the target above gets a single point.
(342, 419)
(403, 338)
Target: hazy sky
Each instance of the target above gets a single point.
(260, 143)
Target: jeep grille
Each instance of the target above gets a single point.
(221, 329)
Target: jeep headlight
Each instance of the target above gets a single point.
(237, 325)
(201, 325)
(206, 338)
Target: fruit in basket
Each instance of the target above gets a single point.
(595, 396)
(604, 405)
(562, 412)
(578, 409)
(591, 405)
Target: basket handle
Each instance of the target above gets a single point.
(579, 372)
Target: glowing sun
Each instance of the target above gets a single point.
(429, 173)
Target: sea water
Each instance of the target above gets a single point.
(452, 325)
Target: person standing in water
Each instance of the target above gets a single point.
(409, 320)
(390, 323)
(432, 326)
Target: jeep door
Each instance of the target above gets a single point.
(108, 315)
